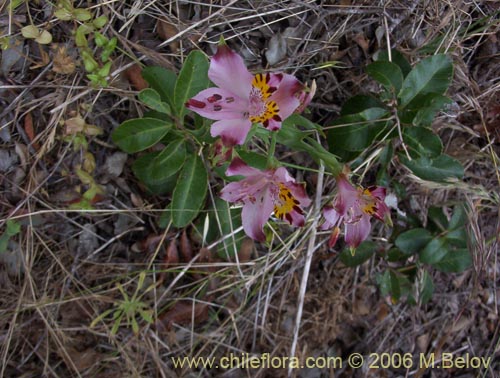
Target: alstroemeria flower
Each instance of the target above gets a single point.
(354, 207)
(262, 193)
(242, 98)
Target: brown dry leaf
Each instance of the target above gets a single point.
(84, 359)
(423, 342)
(182, 313)
(362, 42)
(30, 131)
(147, 245)
(63, 63)
(133, 74)
(186, 248)
(246, 250)
(167, 30)
(172, 256)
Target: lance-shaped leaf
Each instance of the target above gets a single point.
(139, 134)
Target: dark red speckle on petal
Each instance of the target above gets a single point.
(195, 104)
(214, 98)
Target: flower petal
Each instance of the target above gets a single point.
(347, 195)
(228, 71)
(285, 95)
(232, 131)
(357, 232)
(218, 104)
(332, 218)
(239, 168)
(255, 214)
(305, 97)
(232, 192)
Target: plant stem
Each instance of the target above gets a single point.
(272, 148)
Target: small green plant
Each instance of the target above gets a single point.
(97, 64)
(390, 127)
(12, 229)
(128, 309)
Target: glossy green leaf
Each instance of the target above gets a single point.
(386, 73)
(432, 104)
(359, 103)
(413, 241)
(253, 159)
(138, 134)
(356, 132)
(362, 254)
(430, 75)
(155, 169)
(193, 78)
(458, 219)
(142, 169)
(455, 261)
(440, 169)
(422, 141)
(397, 58)
(190, 191)
(152, 99)
(434, 251)
(162, 81)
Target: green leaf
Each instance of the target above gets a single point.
(99, 22)
(254, 159)
(12, 228)
(413, 241)
(358, 103)
(395, 287)
(434, 251)
(193, 78)
(397, 58)
(82, 14)
(162, 81)
(455, 261)
(430, 75)
(190, 191)
(152, 99)
(356, 132)
(362, 254)
(157, 169)
(422, 142)
(458, 219)
(139, 134)
(442, 169)
(432, 103)
(426, 288)
(386, 73)
(226, 220)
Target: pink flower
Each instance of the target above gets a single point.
(354, 207)
(262, 193)
(242, 98)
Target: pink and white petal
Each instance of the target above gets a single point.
(217, 103)
(299, 193)
(356, 233)
(305, 97)
(285, 96)
(273, 124)
(275, 79)
(332, 218)
(383, 213)
(377, 192)
(255, 214)
(239, 168)
(231, 131)
(228, 71)
(281, 175)
(347, 196)
(295, 218)
(233, 192)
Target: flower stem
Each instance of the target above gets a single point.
(272, 148)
